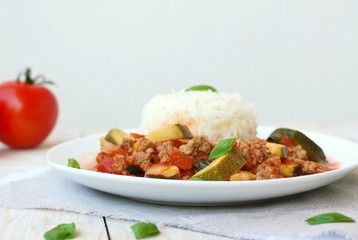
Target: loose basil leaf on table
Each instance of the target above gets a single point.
(73, 163)
(332, 217)
(223, 147)
(201, 88)
(61, 232)
(144, 229)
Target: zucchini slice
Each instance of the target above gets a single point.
(278, 150)
(116, 136)
(289, 170)
(223, 167)
(284, 135)
(163, 172)
(170, 132)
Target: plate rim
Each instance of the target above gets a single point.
(225, 185)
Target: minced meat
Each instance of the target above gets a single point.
(255, 152)
(198, 147)
(269, 169)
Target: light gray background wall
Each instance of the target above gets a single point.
(295, 60)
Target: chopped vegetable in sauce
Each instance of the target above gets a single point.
(174, 153)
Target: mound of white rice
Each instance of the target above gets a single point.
(214, 114)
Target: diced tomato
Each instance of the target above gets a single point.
(285, 140)
(105, 165)
(120, 151)
(249, 166)
(285, 161)
(186, 174)
(177, 143)
(136, 135)
(182, 160)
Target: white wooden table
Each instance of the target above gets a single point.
(33, 223)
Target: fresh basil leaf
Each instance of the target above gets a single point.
(195, 179)
(144, 230)
(223, 147)
(61, 232)
(201, 88)
(73, 163)
(328, 218)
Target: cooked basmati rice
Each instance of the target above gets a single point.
(214, 114)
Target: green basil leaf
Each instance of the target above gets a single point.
(328, 218)
(144, 230)
(62, 231)
(223, 147)
(201, 88)
(195, 179)
(73, 163)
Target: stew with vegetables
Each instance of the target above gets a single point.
(173, 152)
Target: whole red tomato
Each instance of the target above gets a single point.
(28, 112)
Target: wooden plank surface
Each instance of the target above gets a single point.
(31, 224)
(120, 229)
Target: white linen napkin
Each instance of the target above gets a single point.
(274, 219)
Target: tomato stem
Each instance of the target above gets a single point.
(28, 79)
(33, 81)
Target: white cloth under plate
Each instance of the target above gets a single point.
(274, 219)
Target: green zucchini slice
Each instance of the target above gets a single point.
(284, 135)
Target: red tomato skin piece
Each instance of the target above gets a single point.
(285, 140)
(181, 160)
(28, 113)
(105, 166)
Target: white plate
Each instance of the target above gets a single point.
(195, 193)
